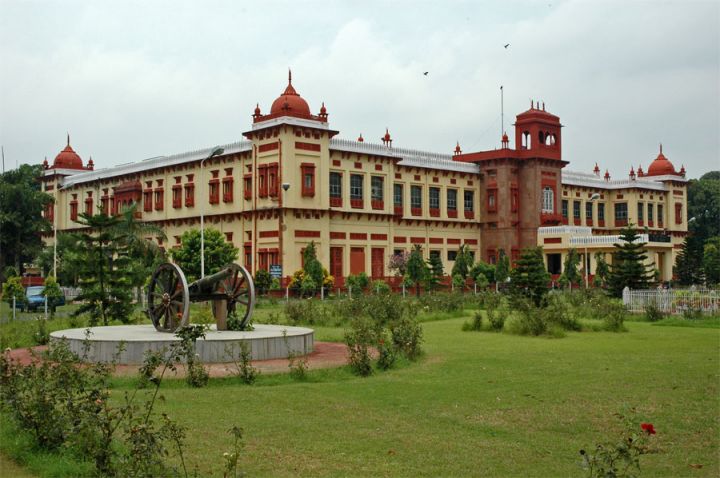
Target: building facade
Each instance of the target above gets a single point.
(291, 181)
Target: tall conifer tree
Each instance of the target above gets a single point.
(629, 268)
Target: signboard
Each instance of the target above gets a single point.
(276, 271)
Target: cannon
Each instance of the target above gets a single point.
(231, 290)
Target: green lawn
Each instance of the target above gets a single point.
(478, 403)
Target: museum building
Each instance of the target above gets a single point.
(292, 180)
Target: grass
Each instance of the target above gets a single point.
(484, 404)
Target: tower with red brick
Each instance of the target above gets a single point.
(520, 187)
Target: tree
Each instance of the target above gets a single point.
(689, 262)
(417, 270)
(483, 269)
(602, 270)
(218, 253)
(628, 268)
(436, 271)
(21, 220)
(463, 262)
(69, 248)
(704, 205)
(53, 293)
(263, 281)
(312, 267)
(571, 276)
(711, 258)
(529, 278)
(146, 254)
(13, 288)
(105, 271)
(397, 263)
(502, 269)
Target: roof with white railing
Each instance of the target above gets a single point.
(413, 158)
(576, 178)
(153, 163)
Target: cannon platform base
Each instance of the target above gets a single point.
(265, 342)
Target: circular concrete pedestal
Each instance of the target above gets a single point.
(265, 342)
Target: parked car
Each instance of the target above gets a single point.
(36, 300)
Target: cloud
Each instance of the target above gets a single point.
(134, 80)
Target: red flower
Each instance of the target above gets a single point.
(648, 428)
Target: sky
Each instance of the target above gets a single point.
(130, 80)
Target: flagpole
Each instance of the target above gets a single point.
(502, 112)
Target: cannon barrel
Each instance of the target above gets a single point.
(211, 280)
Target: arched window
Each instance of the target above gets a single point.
(527, 139)
(548, 200)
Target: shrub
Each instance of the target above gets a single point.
(243, 365)
(263, 281)
(476, 324)
(358, 282)
(558, 313)
(359, 339)
(298, 366)
(613, 316)
(41, 335)
(496, 311)
(407, 336)
(653, 313)
(442, 302)
(458, 282)
(196, 375)
(380, 287)
(386, 354)
(310, 312)
(692, 313)
(531, 320)
(383, 309)
(13, 288)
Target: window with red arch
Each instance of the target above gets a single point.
(308, 179)
(678, 213)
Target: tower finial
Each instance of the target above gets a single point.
(68, 139)
(289, 76)
(660, 148)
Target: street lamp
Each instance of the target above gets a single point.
(215, 152)
(594, 197)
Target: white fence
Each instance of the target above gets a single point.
(673, 301)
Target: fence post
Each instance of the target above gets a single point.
(287, 293)
(475, 287)
(45, 306)
(13, 307)
(403, 289)
(350, 291)
(322, 293)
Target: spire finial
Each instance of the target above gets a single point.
(289, 76)
(68, 139)
(660, 148)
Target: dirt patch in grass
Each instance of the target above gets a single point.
(324, 355)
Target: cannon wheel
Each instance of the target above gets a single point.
(168, 298)
(240, 291)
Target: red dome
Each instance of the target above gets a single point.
(289, 103)
(661, 166)
(68, 159)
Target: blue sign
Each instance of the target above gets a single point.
(276, 271)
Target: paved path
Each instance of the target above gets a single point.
(325, 355)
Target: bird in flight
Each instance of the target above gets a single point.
(507, 45)
(426, 73)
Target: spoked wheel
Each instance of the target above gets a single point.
(240, 291)
(168, 298)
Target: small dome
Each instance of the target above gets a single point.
(289, 103)
(67, 159)
(257, 110)
(360, 138)
(661, 166)
(386, 138)
(323, 110)
(457, 148)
